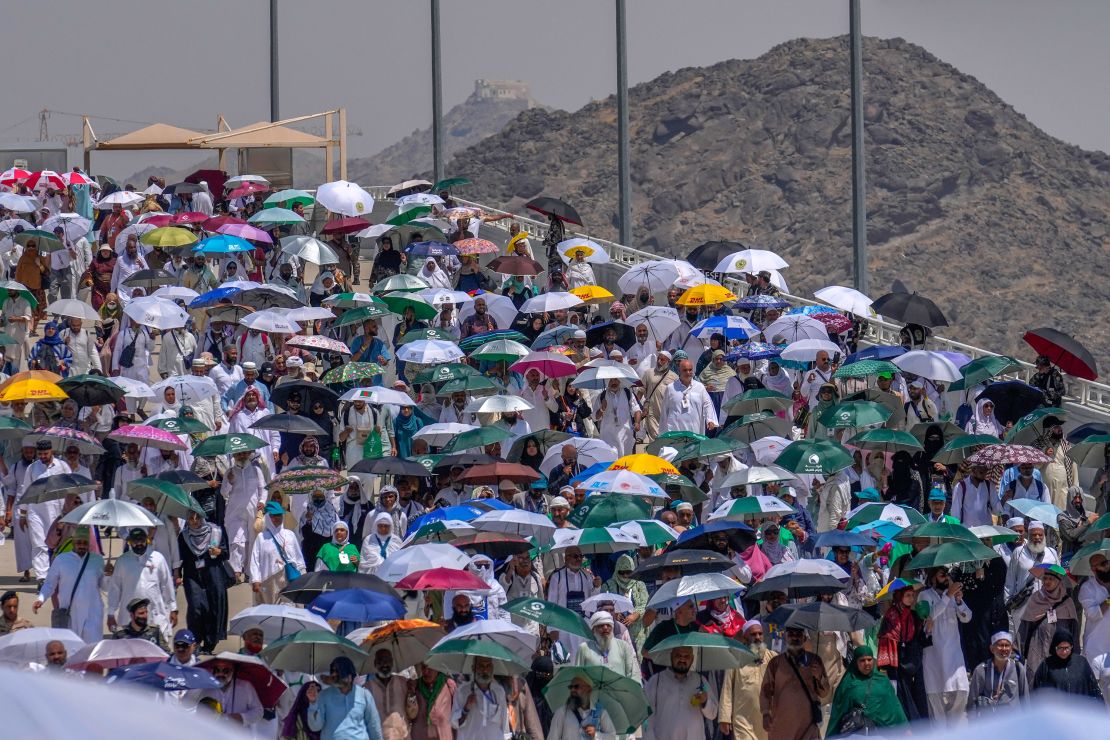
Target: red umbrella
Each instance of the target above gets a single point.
(495, 472)
(13, 176)
(214, 223)
(1063, 351)
(837, 323)
(52, 178)
(441, 579)
(77, 178)
(347, 225)
(247, 188)
(255, 672)
(159, 220)
(188, 218)
(494, 544)
(1005, 455)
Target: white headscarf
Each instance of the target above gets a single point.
(318, 285)
(383, 545)
(436, 278)
(983, 423)
(335, 529)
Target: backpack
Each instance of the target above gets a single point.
(48, 359)
(127, 356)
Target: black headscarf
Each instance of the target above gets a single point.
(1072, 675)
(904, 485)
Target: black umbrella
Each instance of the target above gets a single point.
(797, 585)
(909, 308)
(267, 296)
(690, 562)
(188, 480)
(309, 391)
(150, 278)
(1081, 433)
(181, 187)
(495, 545)
(707, 256)
(626, 335)
(55, 487)
(1012, 399)
(1063, 351)
(466, 459)
(545, 440)
(92, 390)
(390, 466)
(554, 207)
(819, 616)
(309, 586)
(289, 423)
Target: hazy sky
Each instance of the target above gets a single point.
(183, 63)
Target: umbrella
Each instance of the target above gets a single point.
(711, 652)
(309, 249)
(598, 377)
(1091, 452)
(456, 656)
(32, 390)
(688, 561)
(708, 255)
(843, 538)
(310, 393)
(289, 424)
(678, 438)
(429, 352)
(960, 447)
(157, 313)
(855, 414)
(12, 428)
(55, 487)
(147, 436)
(951, 553)
(439, 434)
(661, 321)
(750, 261)
(886, 440)
(476, 246)
(605, 510)
(930, 365)
(1035, 509)
(389, 466)
(500, 350)
(546, 439)
(549, 364)
(440, 297)
(256, 672)
(497, 405)
(595, 540)
(228, 444)
(996, 535)
(345, 198)
(814, 457)
(756, 475)
(275, 217)
(795, 327)
(801, 579)
(407, 640)
(276, 620)
(706, 294)
(310, 585)
(289, 198)
(246, 231)
(167, 237)
(427, 556)
(548, 302)
(650, 532)
(750, 506)
(348, 225)
(408, 186)
(1034, 428)
(846, 299)
(621, 697)
(164, 677)
(554, 617)
(866, 513)
(1006, 454)
(63, 437)
(498, 471)
(937, 532)
(819, 616)
(21, 647)
(189, 388)
(1083, 431)
(590, 452)
(700, 587)
(70, 307)
(983, 369)
(440, 530)
(112, 653)
(310, 650)
(592, 294)
(170, 499)
(111, 512)
(554, 208)
(624, 483)
(909, 308)
(307, 480)
(431, 249)
(740, 536)
(644, 464)
(863, 368)
(270, 323)
(442, 579)
(494, 544)
(357, 605)
(1080, 563)
(1063, 351)
(149, 279)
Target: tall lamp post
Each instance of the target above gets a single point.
(624, 178)
(859, 202)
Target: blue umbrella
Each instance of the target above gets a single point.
(698, 537)
(213, 297)
(164, 677)
(754, 351)
(456, 513)
(591, 471)
(357, 605)
(223, 244)
(878, 352)
(840, 538)
(761, 301)
(431, 249)
(733, 327)
(811, 310)
(553, 337)
(487, 504)
(1035, 509)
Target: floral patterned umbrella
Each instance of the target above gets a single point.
(307, 480)
(476, 246)
(352, 371)
(1009, 455)
(63, 437)
(318, 343)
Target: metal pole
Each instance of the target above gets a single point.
(859, 200)
(624, 215)
(274, 115)
(437, 97)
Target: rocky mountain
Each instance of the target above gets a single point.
(485, 112)
(968, 202)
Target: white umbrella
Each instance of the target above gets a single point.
(806, 566)
(74, 309)
(175, 293)
(767, 449)
(111, 512)
(424, 557)
(661, 321)
(625, 483)
(345, 197)
(497, 405)
(231, 182)
(152, 189)
(124, 198)
(439, 434)
(499, 348)
(309, 249)
(738, 509)
(931, 365)
(518, 522)
(270, 322)
(189, 388)
(693, 281)
(437, 297)
(591, 451)
(597, 254)
(429, 352)
(846, 299)
(29, 645)
(794, 327)
(276, 620)
(136, 229)
(157, 313)
(598, 376)
(755, 475)
(360, 298)
(375, 231)
(377, 394)
(18, 203)
(779, 281)
(502, 631)
(546, 302)
(621, 603)
(656, 275)
(500, 307)
(750, 261)
(307, 313)
(805, 350)
(420, 199)
(134, 388)
(8, 225)
(74, 225)
(697, 587)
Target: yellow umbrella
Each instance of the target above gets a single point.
(168, 236)
(592, 294)
(706, 295)
(521, 236)
(32, 390)
(31, 375)
(644, 465)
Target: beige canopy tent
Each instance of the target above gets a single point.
(262, 135)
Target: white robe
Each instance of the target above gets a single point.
(1092, 595)
(538, 417)
(176, 354)
(266, 560)
(487, 720)
(241, 424)
(565, 726)
(943, 663)
(146, 577)
(13, 486)
(41, 516)
(86, 611)
(82, 344)
(686, 409)
(238, 698)
(673, 716)
(244, 488)
(1018, 573)
(616, 422)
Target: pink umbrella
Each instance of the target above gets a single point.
(837, 323)
(188, 218)
(318, 343)
(109, 654)
(1008, 455)
(247, 188)
(550, 364)
(246, 231)
(441, 579)
(148, 437)
(476, 246)
(159, 220)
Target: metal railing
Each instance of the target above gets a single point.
(1088, 394)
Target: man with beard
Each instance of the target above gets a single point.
(462, 613)
(680, 700)
(943, 667)
(520, 580)
(618, 417)
(56, 655)
(35, 518)
(919, 408)
(682, 339)
(973, 500)
(237, 696)
(794, 688)
(581, 714)
(567, 469)
(614, 654)
(390, 691)
(535, 392)
(643, 349)
(513, 423)
(478, 322)
(686, 405)
(741, 571)
(1049, 380)
(77, 578)
(1020, 582)
(1063, 472)
(739, 703)
(244, 488)
(368, 347)
(1094, 594)
(142, 574)
(480, 710)
(139, 626)
(453, 410)
(572, 584)
(130, 262)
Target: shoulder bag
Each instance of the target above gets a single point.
(60, 617)
(292, 572)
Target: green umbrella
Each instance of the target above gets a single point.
(402, 282)
(903, 516)
(938, 531)
(178, 425)
(408, 215)
(679, 486)
(12, 428)
(352, 300)
(474, 341)
(654, 532)
(951, 553)
(601, 510)
(855, 414)
(984, 368)
(1030, 429)
(169, 498)
(814, 457)
(352, 372)
(442, 531)
(674, 439)
(457, 656)
(757, 399)
(711, 652)
(864, 368)
(448, 183)
(443, 373)
(755, 426)
(500, 349)
(437, 334)
(552, 616)
(886, 440)
(479, 437)
(288, 199)
(44, 240)
(25, 295)
(1080, 563)
(398, 302)
(618, 695)
(362, 313)
(708, 448)
(226, 444)
(997, 535)
(1091, 452)
(474, 385)
(310, 651)
(960, 448)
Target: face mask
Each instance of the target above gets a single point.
(139, 550)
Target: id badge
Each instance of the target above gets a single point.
(344, 558)
(201, 563)
(1051, 616)
(685, 403)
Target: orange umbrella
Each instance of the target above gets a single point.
(644, 464)
(409, 640)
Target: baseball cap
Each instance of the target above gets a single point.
(184, 636)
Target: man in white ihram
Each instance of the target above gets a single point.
(37, 518)
(77, 578)
(946, 682)
(686, 404)
(142, 573)
(1019, 574)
